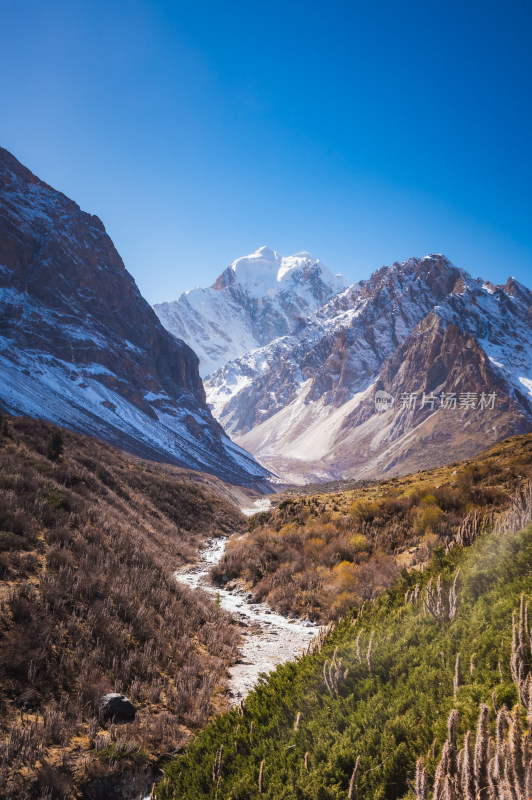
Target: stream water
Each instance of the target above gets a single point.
(268, 638)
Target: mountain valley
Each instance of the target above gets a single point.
(265, 540)
(91, 540)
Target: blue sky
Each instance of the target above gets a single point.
(362, 132)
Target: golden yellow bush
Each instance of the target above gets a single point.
(360, 544)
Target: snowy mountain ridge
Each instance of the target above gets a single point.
(304, 403)
(363, 308)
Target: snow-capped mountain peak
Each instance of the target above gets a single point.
(258, 298)
(259, 273)
(266, 272)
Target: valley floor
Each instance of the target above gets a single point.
(123, 575)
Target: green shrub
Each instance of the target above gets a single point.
(54, 445)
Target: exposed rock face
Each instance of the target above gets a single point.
(81, 347)
(117, 708)
(256, 299)
(305, 404)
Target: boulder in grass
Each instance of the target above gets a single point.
(117, 707)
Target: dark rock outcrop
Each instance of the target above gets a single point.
(116, 708)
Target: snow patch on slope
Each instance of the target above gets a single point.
(76, 399)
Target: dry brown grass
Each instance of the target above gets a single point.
(317, 554)
(89, 604)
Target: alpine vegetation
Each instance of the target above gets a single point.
(383, 705)
(493, 768)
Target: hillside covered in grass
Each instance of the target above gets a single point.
(316, 555)
(353, 718)
(89, 540)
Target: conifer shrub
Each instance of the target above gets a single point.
(54, 445)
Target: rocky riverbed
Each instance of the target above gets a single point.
(269, 638)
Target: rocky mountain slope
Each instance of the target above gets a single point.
(453, 355)
(255, 300)
(80, 346)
